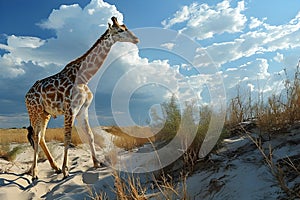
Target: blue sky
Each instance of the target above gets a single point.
(249, 43)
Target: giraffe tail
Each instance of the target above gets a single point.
(30, 136)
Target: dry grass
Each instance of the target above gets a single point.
(276, 169)
(124, 138)
(130, 187)
(273, 114)
(9, 154)
(13, 135)
(8, 136)
(19, 136)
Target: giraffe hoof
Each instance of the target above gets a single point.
(65, 172)
(34, 179)
(99, 165)
(66, 175)
(58, 171)
(103, 164)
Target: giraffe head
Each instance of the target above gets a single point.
(120, 33)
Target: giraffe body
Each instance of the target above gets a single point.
(67, 93)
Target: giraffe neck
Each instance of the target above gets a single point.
(91, 61)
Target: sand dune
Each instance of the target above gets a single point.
(235, 171)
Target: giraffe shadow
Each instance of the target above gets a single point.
(23, 183)
(14, 181)
(93, 181)
(90, 182)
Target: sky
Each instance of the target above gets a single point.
(199, 50)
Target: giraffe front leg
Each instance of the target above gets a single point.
(86, 129)
(68, 131)
(84, 126)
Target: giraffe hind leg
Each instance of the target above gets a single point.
(42, 142)
(30, 136)
(36, 137)
(69, 120)
(49, 156)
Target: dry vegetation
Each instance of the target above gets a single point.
(128, 137)
(8, 136)
(273, 115)
(129, 187)
(19, 136)
(9, 154)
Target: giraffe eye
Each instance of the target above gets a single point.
(120, 31)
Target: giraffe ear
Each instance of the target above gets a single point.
(109, 26)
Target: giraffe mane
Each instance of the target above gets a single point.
(103, 36)
(79, 59)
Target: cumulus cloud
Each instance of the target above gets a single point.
(255, 42)
(168, 45)
(251, 71)
(28, 42)
(76, 30)
(130, 72)
(278, 57)
(255, 22)
(26, 59)
(203, 21)
(9, 70)
(252, 47)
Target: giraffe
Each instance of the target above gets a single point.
(67, 93)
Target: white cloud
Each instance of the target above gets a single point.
(24, 41)
(278, 57)
(168, 45)
(249, 73)
(8, 71)
(255, 42)
(76, 30)
(255, 22)
(13, 121)
(251, 87)
(250, 44)
(139, 71)
(20, 50)
(204, 21)
(179, 17)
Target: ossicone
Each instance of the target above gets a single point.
(115, 21)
